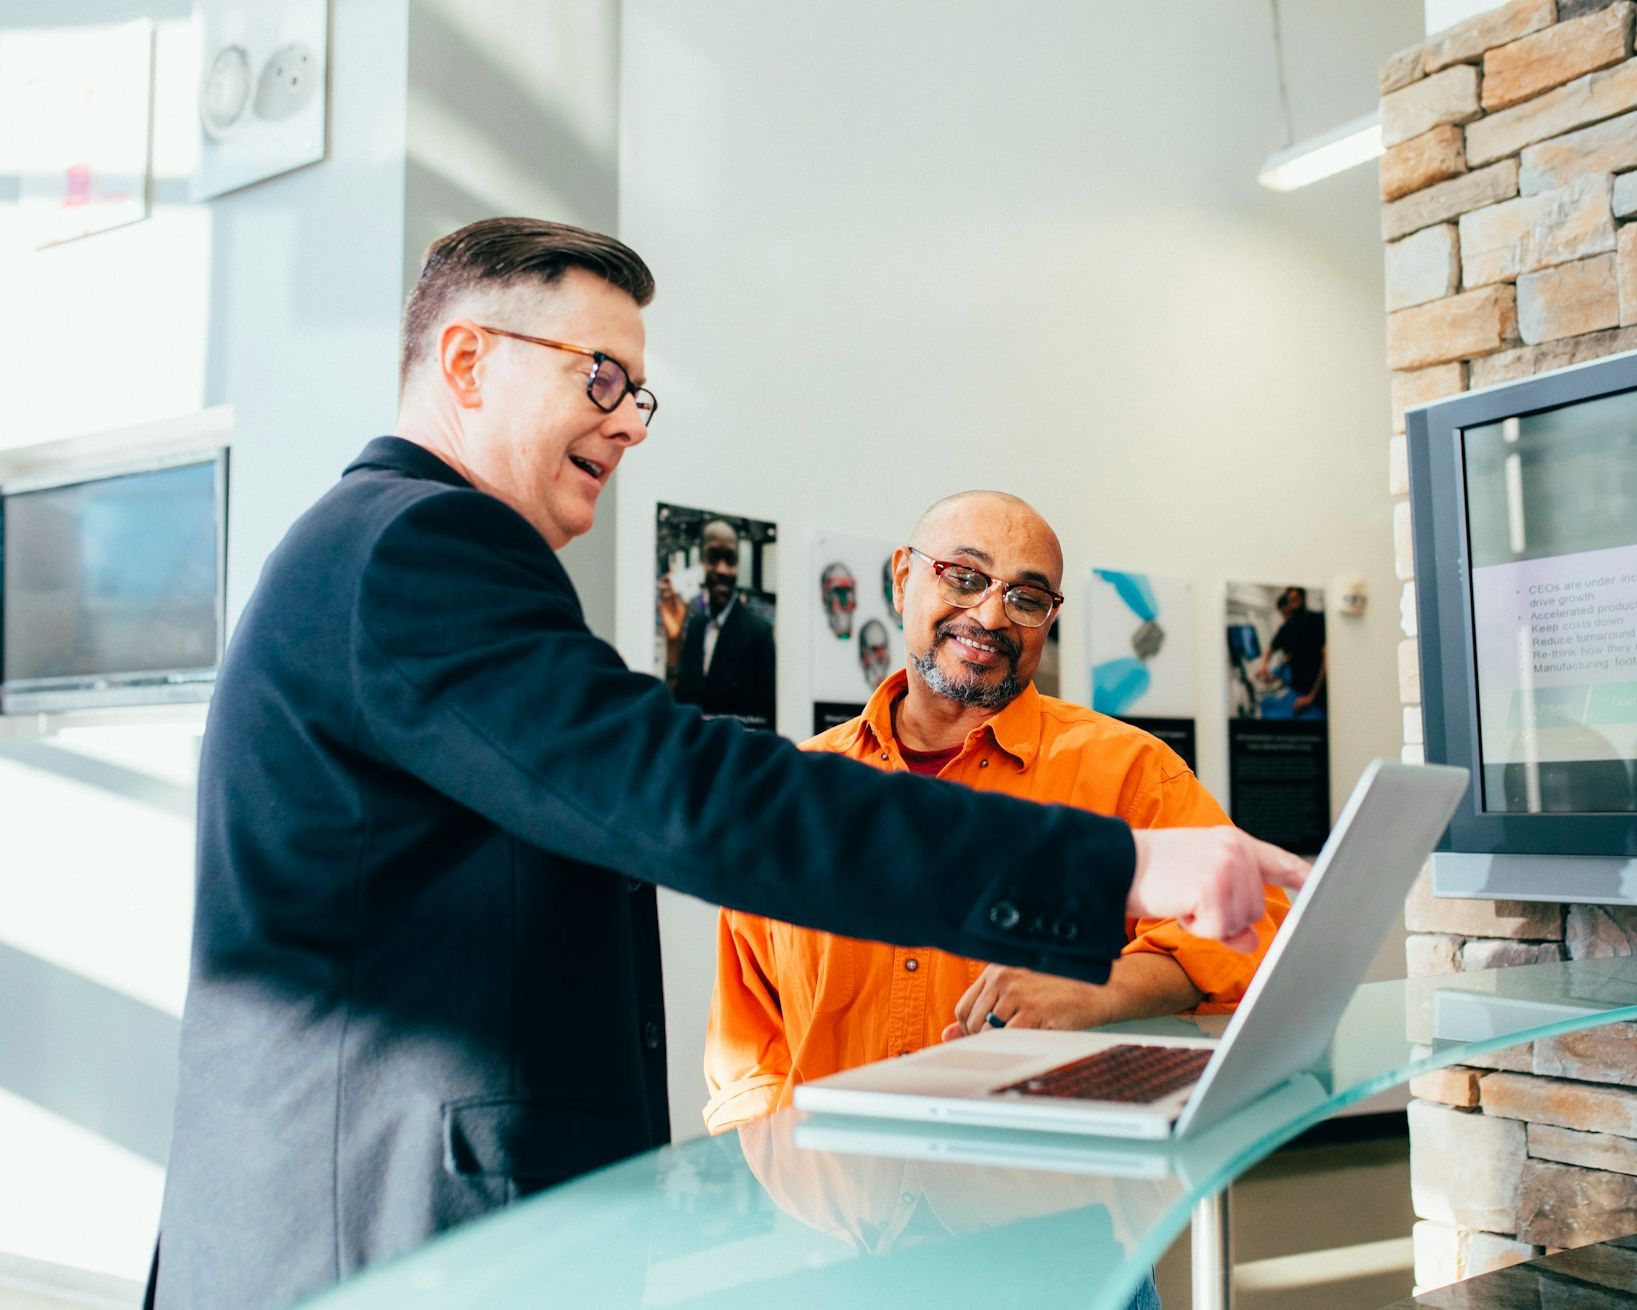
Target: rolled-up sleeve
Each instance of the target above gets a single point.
(1220, 973)
(747, 1056)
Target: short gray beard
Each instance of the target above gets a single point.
(966, 691)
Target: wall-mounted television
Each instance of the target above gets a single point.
(111, 586)
(1524, 503)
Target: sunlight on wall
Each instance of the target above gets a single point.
(118, 868)
(88, 1204)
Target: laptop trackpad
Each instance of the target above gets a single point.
(952, 1059)
(953, 1069)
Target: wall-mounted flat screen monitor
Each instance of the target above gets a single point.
(1524, 505)
(112, 587)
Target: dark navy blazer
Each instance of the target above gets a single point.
(741, 680)
(432, 808)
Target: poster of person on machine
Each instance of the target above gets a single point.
(1278, 697)
(714, 611)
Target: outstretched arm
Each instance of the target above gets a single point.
(525, 717)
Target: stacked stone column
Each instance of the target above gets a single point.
(1509, 190)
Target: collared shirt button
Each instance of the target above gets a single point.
(650, 1035)
(1003, 914)
(885, 756)
(983, 764)
(912, 964)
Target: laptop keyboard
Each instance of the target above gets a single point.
(1131, 1074)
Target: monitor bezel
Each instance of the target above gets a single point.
(119, 687)
(1449, 705)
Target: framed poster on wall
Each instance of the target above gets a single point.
(1140, 630)
(1278, 674)
(74, 127)
(714, 611)
(858, 635)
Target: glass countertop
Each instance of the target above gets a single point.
(805, 1210)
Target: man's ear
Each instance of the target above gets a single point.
(901, 560)
(462, 352)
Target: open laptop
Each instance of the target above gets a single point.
(1193, 1158)
(1155, 1087)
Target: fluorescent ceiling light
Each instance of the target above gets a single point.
(1320, 156)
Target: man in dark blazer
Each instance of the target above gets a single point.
(432, 807)
(727, 659)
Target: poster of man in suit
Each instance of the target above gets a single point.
(715, 608)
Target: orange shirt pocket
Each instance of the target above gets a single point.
(817, 967)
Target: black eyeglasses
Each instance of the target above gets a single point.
(609, 383)
(1026, 603)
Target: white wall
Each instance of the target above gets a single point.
(514, 109)
(308, 286)
(1441, 14)
(281, 300)
(906, 249)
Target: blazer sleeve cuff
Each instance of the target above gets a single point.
(1069, 917)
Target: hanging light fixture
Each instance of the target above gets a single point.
(1342, 148)
(1301, 162)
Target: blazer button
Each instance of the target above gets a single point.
(1065, 930)
(650, 1035)
(634, 885)
(1003, 914)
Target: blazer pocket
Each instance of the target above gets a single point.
(530, 1142)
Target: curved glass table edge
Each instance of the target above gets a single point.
(1387, 1036)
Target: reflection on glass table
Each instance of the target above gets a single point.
(805, 1211)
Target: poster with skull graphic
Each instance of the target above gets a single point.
(858, 636)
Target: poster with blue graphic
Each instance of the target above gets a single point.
(1140, 630)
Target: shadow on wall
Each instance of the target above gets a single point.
(84, 1052)
(116, 779)
(87, 1053)
(519, 126)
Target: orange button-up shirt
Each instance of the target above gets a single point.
(792, 1004)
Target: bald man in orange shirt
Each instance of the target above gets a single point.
(978, 589)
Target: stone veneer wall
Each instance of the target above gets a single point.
(1510, 215)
